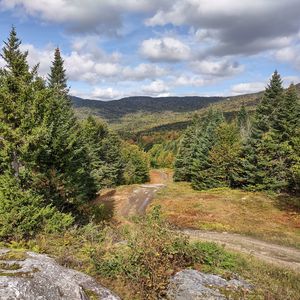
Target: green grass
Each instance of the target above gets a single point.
(267, 217)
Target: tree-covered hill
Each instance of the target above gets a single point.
(136, 114)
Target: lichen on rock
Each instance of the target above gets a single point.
(40, 277)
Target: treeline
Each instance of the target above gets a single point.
(261, 153)
(51, 163)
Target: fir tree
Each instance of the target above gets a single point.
(183, 160)
(136, 164)
(243, 122)
(204, 141)
(57, 78)
(17, 96)
(263, 161)
(265, 112)
(105, 153)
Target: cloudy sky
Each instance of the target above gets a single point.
(117, 48)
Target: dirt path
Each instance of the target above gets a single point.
(139, 200)
(134, 200)
(280, 255)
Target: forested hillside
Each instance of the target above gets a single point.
(259, 153)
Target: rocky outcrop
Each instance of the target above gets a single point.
(31, 276)
(194, 285)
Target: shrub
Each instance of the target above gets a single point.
(152, 253)
(23, 213)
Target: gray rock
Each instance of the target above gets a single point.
(39, 277)
(195, 285)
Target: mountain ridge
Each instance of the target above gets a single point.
(140, 113)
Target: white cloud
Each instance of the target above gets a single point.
(165, 49)
(289, 55)
(82, 16)
(247, 88)
(156, 88)
(143, 71)
(287, 80)
(106, 93)
(184, 80)
(214, 68)
(237, 27)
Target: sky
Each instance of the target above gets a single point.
(119, 48)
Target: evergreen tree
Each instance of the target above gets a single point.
(39, 134)
(105, 153)
(287, 116)
(136, 164)
(263, 161)
(266, 110)
(19, 91)
(223, 156)
(183, 160)
(57, 78)
(243, 122)
(204, 141)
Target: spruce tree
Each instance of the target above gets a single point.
(23, 105)
(104, 148)
(262, 163)
(266, 111)
(204, 141)
(17, 97)
(183, 160)
(57, 78)
(223, 156)
(243, 122)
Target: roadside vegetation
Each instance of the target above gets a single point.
(136, 260)
(269, 217)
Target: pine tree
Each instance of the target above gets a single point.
(183, 160)
(287, 116)
(223, 156)
(105, 153)
(204, 141)
(243, 122)
(23, 106)
(57, 78)
(136, 164)
(265, 112)
(17, 96)
(262, 163)
(39, 134)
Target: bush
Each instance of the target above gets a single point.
(152, 254)
(136, 164)
(23, 213)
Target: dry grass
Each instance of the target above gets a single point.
(256, 214)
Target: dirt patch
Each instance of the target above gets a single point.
(271, 253)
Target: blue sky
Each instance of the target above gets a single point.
(115, 48)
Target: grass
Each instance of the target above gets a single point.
(135, 261)
(6, 266)
(17, 255)
(267, 217)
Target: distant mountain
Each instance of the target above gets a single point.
(144, 113)
(115, 109)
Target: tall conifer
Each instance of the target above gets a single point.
(57, 78)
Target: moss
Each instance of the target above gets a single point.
(14, 266)
(90, 294)
(28, 274)
(14, 255)
(237, 294)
